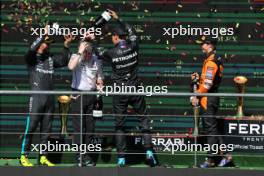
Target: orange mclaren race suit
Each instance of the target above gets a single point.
(209, 82)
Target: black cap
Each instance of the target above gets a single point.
(207, 40)
(119, 30)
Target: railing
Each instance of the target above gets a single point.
(170, 94)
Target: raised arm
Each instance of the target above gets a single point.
(30, 56)
(62, 59)
(101, 52)
(131, 33)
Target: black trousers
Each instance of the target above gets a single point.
(88, 122)
(41, 109)
(211, 125)
(120, 104)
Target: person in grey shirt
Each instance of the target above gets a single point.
(87, 75)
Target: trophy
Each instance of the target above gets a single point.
(240, 82)
(64, 105)
(196, 108)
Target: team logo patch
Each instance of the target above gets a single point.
(209, 72)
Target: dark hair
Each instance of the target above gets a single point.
(123, 37)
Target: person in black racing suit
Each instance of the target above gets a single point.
(124, 60)
(41, 66)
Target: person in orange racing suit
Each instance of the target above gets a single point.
(209, 82)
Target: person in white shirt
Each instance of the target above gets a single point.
(87, 75)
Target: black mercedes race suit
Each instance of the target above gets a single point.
(41, 107)
(124, 60)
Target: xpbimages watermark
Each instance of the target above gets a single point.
(55, 29)
(149, 90)
(57, 147)
(194, 31)
(174, 145)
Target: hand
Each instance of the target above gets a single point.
(113, 14)
(68, 39)
(89, 36)
(194, 101)
(100, 85)
(82, 47)
(195, 75)
(46, 29)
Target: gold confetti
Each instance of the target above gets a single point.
(66, 11)
(237, 25)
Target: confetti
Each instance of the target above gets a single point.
(198, 41)
(183, 54)
(173, 47)
(178, 22)
(66, 11)
(258, 23)
(5, 30)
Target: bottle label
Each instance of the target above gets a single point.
(97, 113)
(106, 16)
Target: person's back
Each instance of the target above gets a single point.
(123, 58)
(124, 61)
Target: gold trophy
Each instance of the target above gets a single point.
(64, 105)
(196, 108)
(240, 82)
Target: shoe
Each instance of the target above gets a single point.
(225, 163)
(86, 161)
(150, 158)
(121, 162)
(44, 161)
(207, 164)
(89, 163)
(25, 162)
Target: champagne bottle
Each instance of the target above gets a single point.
(98, 107)
(102, 20)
